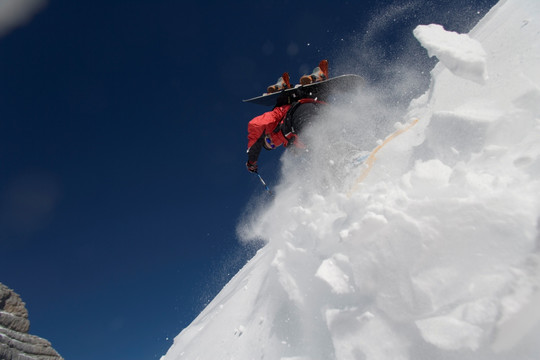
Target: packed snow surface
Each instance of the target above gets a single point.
(422, 245)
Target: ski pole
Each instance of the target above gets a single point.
(264, 184)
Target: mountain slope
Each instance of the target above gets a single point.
(427, 250)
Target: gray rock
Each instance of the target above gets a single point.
(15, 342)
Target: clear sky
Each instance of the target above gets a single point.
(122, 149)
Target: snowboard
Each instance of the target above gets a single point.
(322, 90)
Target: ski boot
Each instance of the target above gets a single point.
(282, 83)
(319, 73)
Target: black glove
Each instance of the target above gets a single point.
(252, 166)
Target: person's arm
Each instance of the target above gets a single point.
(253, 154)
(256, 132)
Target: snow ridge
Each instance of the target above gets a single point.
(435, 253)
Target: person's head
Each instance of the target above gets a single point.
(268, 143)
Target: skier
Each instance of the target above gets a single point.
(284, 123)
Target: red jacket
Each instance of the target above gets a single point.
(265, 124)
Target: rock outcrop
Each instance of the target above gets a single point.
(15, 342)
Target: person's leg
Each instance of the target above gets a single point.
(303, 116)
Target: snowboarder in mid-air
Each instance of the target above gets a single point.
(283, 124)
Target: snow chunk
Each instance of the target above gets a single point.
(334, 276)
(449, 333)
(462, 55)
(430, 174)
(357, 335)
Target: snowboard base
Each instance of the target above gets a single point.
(322, 90)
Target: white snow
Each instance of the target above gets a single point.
(331, 273)
(430, 249)
(460, 53)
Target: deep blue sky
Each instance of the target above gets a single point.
(122, 149)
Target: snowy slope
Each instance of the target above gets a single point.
(429, 249)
